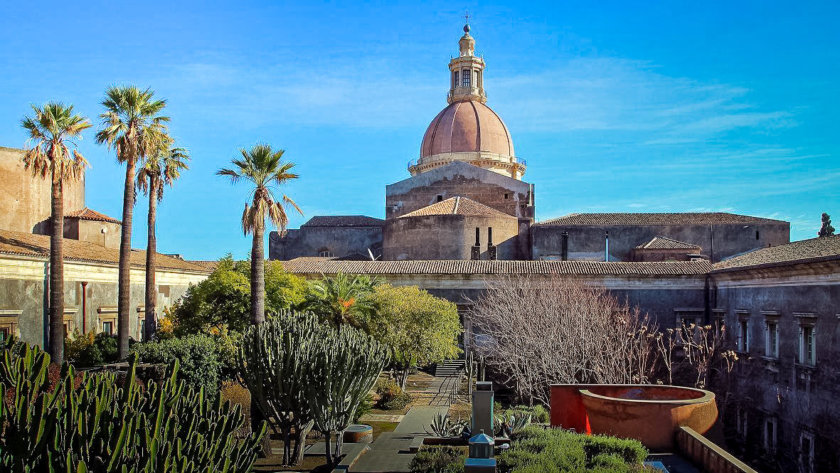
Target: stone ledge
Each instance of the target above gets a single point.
(704, 453)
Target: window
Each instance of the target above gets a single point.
(507, 196)
(688, 316)
(440, 198)
(325, 253)
(806, 451)
(455, 79)
(743, 334)
(108, 327)
(741, 423)
(9, 323)
(465, 78)
(5, 333)
(770, 434)
(477, 236)
(771, 340)
(756, 235)
(807, 344)
(564, 246)
(489, 236)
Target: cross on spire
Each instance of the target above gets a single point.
(467, 17)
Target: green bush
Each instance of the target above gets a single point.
(102, 423)
(439, 460)
(198, 355)
(91, 349)
(537, 449)
(391, 395)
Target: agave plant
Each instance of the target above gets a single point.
(511, 422)
(442, 426)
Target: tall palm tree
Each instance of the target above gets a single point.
(131, 122)
(53, 129)
(162, 167)
(264, 168)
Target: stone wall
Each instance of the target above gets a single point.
(705, 454)
(441, 237)
(799, 397)
(23, 301)
(25, 200)
(339, 241)
(502, 193)
(107, 234)
(588, 242)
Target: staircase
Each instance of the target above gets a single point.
(449, 368)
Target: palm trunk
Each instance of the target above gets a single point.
(257, 303)
(124, 278)
(151, 253)
(258, 276)
(56, 334)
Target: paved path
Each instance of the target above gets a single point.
(389, 453)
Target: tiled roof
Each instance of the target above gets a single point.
(312, 265)
(89, 214)
(209, 265)
(343, 221)
(677, 218)
(457, 206)
(804, 251)
(665, 243)
(28, 244)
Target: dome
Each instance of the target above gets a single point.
(467, 126)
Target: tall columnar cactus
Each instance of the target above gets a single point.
(273, 365)
(345, 365)
(303, 372)
(96, 423)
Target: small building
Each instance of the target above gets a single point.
(661, 248)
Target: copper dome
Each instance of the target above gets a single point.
(467, 126)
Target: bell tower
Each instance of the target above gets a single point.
(466, 72)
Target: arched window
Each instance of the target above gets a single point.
(325, 253)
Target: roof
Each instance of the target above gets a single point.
(457, 206)
(28, 244)
(804, 251)
(466, 126)
(676, 218)
(343, 221)
(313, 265)
(665, 243)
(89, 214)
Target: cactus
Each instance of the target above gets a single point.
(95, 423)
(304, 373)
(443, 427)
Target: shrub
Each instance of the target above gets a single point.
(391, 395)
(439, 460)
(198, 356)
(88, 420)
(91, 349)
(538, 449)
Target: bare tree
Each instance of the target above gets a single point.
(542, 331)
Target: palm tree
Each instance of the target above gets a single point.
(53, 128)
(162, 167)
(342, 299)
(264, 168)
(130, 123)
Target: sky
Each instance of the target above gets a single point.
(617, 106)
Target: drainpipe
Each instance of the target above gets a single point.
(607, 246)
(84, 307)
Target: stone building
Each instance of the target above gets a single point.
(91, 250)
(677, 267)
(782, 307)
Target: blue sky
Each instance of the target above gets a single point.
(617, 106)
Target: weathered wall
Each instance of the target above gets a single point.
(25, 200)
(22, 283)
(587, 242)
(505, 194)
(441, 237)
(92, 231)
(802, 398)
(310, 240)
